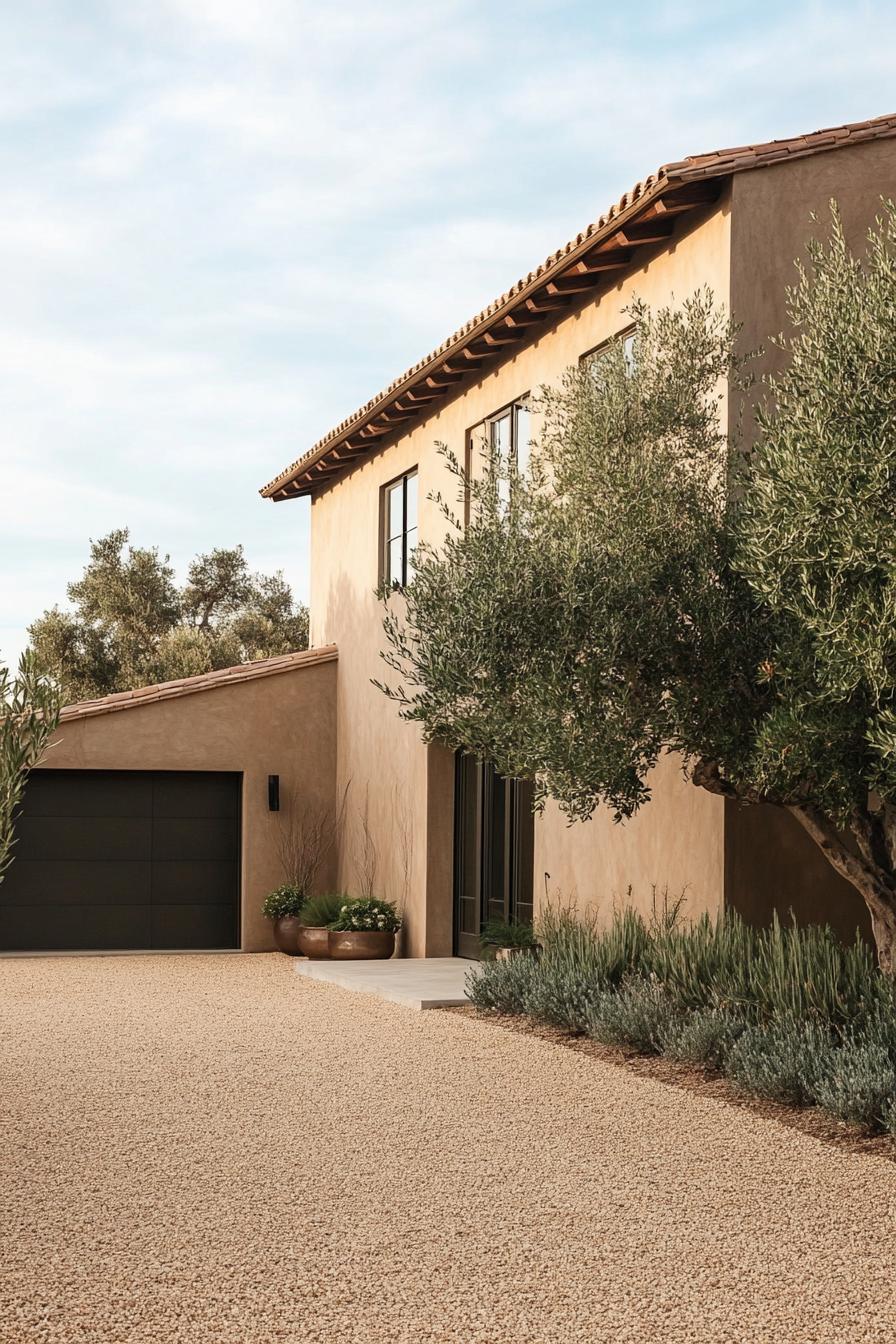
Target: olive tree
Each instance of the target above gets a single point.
(29, 714)
(131, 624)
(654, 587)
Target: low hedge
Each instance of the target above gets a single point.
(787, 1013)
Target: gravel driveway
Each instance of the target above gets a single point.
(211, 1149)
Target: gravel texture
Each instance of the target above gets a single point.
(212, 1149)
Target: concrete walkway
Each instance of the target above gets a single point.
(416, 982)
(214, 1150)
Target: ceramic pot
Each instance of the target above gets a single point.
(361, 945)
(314, 943)
(286, 933)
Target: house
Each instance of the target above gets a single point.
(152, 822)
(734, 220)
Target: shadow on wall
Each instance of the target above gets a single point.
(772, 865)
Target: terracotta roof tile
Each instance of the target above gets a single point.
(206, 681)
(696, 167)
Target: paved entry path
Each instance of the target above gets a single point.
(213, 1149)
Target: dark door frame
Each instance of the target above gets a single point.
(493, 851)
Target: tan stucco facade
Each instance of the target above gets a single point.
(676, 844)
(685, 842)
(283, 724)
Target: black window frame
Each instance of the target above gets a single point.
(484, 430)
(387, 537)
(590, 357)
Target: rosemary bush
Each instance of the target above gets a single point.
(787, 1013)
(634, 1016)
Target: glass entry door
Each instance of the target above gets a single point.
(493, 851)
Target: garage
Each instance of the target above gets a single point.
(122, 860)
(161, 817)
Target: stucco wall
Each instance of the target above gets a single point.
(677, 842)
(276, 725)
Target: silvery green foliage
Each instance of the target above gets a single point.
(566, 637)
(857, 1082)
(502, 986)
(889, 1118)
(781, 1059)
(703, 1037)
(29, 713)
(652, 587)
(636, 1016)
(562, 996)
(817, 541)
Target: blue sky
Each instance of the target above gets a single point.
(226, 224)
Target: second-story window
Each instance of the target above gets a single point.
(509, 435)
(509, 438)
(399, 513)
(596, 359)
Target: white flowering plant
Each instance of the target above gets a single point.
(370, 915)
(286, 900)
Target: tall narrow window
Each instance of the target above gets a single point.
(509, 438)
(399, 514)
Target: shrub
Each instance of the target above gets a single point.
(601, 956)
(367, 915)
(319, 912)
(287, 900)
(857, 1083)
(703, 1037)
(562, 996)
(502, 986)
(781, 1059)
(857, 1077)
(635, 1016)
(807, 972)
(498, 933)
(889, 1118)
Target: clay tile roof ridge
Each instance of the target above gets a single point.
(203, 681)
(717, 163)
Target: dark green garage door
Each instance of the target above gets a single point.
(123, 860)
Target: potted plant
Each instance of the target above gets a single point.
(500, 940)
(364, 930)
(318, 913)
(282, 908)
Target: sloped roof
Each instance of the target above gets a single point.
(206, 681)
(644, 217)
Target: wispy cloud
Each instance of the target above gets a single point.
(227, 224)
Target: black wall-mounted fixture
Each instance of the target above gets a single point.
(273, 793)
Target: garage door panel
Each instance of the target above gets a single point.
(73, 839)
(194, 882)
(119, 860)
(40, 882)
(194, 838)
(183, 926)
(87, 793)
(88, 928)
(195, 794)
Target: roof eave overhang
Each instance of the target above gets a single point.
(429, 384)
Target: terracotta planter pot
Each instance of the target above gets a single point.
(369, 945)
(314, 943)
(510, 953)
(286, 934)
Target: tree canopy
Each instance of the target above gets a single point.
(657, 585)
(132, 625)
